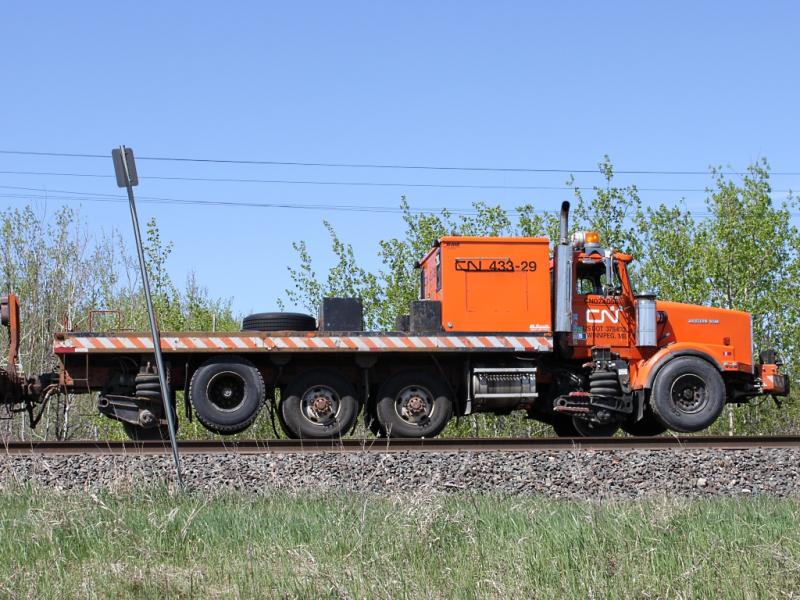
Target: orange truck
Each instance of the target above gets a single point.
(502, 325)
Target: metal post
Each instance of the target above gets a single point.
(162, 374)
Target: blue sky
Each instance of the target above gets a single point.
(657, 86)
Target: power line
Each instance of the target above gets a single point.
(359, 183)
(385, 165)
(72, 195)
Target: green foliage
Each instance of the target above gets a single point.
(61, 272)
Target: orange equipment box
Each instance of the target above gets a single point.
(490, 284)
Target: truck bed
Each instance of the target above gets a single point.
(300, 341)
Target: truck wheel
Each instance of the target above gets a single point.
(278, 321)
(688, 394)
(414, 404)
(320, 404)
(648, 426)
(227, 393)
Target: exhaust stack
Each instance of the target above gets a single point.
(564, 222)
(562, 318)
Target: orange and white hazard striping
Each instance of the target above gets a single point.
(358, 343)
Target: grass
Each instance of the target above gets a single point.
(153, 545)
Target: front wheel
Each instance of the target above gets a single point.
(688, 394)
(414, 404)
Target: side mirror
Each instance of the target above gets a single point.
(5, 312)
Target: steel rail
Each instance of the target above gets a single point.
(400, 445)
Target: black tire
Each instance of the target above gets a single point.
(277, 321)
(146, 434)
(688, 394)
(320, 404)
(227, 393)
(648, 426)
(427, 391)
(287, 431)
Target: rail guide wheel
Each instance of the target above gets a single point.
(320, 404)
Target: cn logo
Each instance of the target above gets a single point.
(603, 315)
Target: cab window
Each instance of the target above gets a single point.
(591, 279)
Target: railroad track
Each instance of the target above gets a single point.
(401, 445)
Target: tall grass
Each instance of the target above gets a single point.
(153, 545)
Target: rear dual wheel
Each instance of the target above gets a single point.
(320, 404)
(414, 404)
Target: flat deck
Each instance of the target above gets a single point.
(297, 341)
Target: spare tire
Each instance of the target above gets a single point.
(279, 321)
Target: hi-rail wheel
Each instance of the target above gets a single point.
(414, 404)
(137, 433)
(568, 426)
(320, 404)
(648, 426)
(227, 392)
(688, 394)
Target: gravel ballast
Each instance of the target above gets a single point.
(557, 474)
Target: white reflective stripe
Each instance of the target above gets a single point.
(378, 342)
(360, 343)
(437, 342)
(146, 342)
(198, 342)
(81, 350)
(257, 342)
(127, 342)
(318, 342)
(417, 342)
(474, 342)
(495, 342)
(106, 343)
(516, 343)
(337, 341)
(217, 342)
(397, 342)
(238, 342)
(85, 342)
(300, 342)
(279, 342)
(456, 341)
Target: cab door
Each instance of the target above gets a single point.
(598, 316)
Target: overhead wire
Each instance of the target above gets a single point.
(74, 195)
(384, 165)
(360, 183)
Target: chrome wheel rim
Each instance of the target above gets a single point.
(414, 404)
(320, 405)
